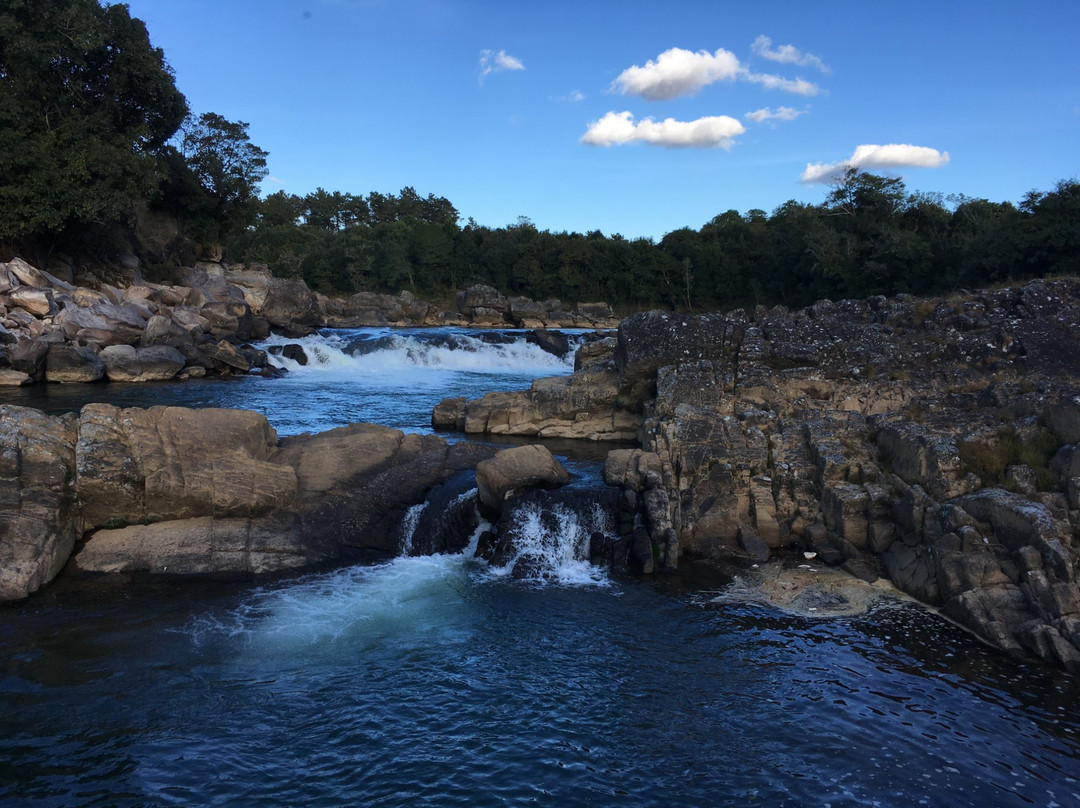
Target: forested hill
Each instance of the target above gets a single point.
(100, 155)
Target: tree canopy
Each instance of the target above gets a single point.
(86, 103)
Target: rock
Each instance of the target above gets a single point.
(356, 482)
(449, 414)
(37, 302)
(484, 297)
(27, 274)
(28, 356)
(554, 342)
(123, 363)
(203, 546)
(169, 463)
(289, 301)
(652, 339)
(295, 352)
(37, 498)
(254, 281)
(513, 470)
(70, 364)
(595, 312)
(227, 355)
(580, 406)
(13, 378)
(752, 545)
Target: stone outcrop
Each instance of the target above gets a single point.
(38, 513)
(935, 443)
(177, 491)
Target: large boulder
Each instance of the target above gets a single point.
(169, 463)
(37, 302)
(290, 302)
(512, 471)
(203, 546)
(357, 482)
(653, 339)
(485, 298)
(28, 356)
(37, 498)
(124, 363)
(68, 364)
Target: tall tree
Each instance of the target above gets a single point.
(85, 105)
(229, 167)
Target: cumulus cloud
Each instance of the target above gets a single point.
(870, 156)
(778, 114)
(771, 82)
(786, 54)
(496, 62)
(571, 98)
(619, 128)
(677, 72)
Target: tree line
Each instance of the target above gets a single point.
(868, 236)
(98, 148)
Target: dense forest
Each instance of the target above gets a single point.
(101, 155)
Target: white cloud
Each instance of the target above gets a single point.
(677, 72)
(786, 54)
(276, 180)
(869, 156)
(496, 62)
(771, 82)
(575, 97)
(618, 128)
(778, 114)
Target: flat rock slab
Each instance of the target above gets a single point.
(808, 590)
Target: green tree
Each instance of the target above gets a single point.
(229, 167)
(86, 103)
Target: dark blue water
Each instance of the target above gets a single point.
(440, 682)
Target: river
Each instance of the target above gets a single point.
(438, 681)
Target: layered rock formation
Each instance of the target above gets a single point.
(180, 491)
(934, 443)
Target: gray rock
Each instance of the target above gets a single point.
(70, 364)
(124, 363)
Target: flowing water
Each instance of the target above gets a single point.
(441, 681)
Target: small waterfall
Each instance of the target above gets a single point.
(549, 537)
(408, 527)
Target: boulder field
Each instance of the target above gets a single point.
(932, 443)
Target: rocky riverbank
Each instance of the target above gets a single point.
(933, 443)
(204, 322)
(181, 492)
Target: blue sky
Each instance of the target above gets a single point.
(634, 117)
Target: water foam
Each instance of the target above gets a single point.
(379, 351)
(551, 545)
(355, 607)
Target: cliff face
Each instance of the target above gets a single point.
(934, 443)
